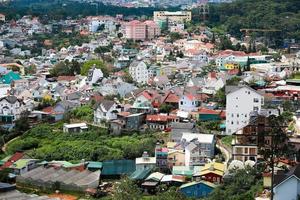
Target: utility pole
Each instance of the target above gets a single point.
(272, 150)
(272, 169)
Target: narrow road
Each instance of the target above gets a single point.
(225, 151)
(5, 145)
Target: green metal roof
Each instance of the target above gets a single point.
(118, 167)
(62, 162)
(19, 164)
(183, 170)
(140, 174)
(95, 165)
(9, 77)
(6, 158)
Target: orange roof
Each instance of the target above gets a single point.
(202, 97)
(17, 156)
(66, 78)
(190, 97)
(233, 71)
(48, 110)
(159, 118)
(171, 98)
(208, 111)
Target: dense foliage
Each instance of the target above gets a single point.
(242, 184)
(85, 113)
(282, 15)
(57, 9)
(49, 143)
(94, 63)
(66, 68)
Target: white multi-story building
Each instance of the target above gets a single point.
(240, 102)
(139, 72)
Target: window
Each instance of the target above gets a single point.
(246, 150)
(252, 151)
(255, 100)
(237, 115)
(231, 122)
(181, 102)
(255, 108)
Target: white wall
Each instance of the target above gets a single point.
(239, 104)
(186, 104)
(139, 73)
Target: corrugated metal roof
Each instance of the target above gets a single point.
(140, 174)
(118, 167)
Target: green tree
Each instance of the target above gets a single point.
(170, 194)
(233, 81)
(127, 189)
(165, 108)
(22, 124)
(220, 97)
(225, 43)
(31, 69)
(175, 36)
(94, 63)
(4, 175)
(241, 184)
(127, 77)
(287, 106)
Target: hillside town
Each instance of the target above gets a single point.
(116, 107)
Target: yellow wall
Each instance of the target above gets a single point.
(230, 66)
(179, 158)
(267, 181)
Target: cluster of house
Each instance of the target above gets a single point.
(172, 88)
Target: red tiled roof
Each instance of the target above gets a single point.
(147, 95)
(171, 98)
(233, 71)
(159, 118)
(48, 110)
(17, 156)
(66, 78)
(190, 97)
(208, 111)
(202, 97)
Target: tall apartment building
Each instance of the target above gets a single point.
(240, 102)
(249, 140)
(137, 30)
(178, 16)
